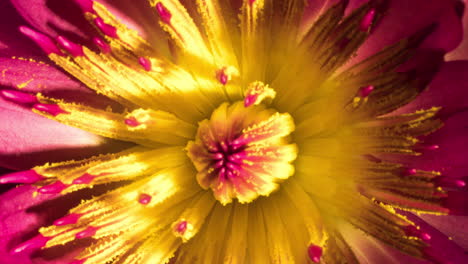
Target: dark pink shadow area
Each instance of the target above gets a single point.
(25, 161)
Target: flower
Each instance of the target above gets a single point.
(263, 132)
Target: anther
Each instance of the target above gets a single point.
(56, 187)
(29, 176)
(132, 122)
(84, 179)
(144, 198)
(46, 44)
(256, 93)
(146, 63)
(422, 147)
(163, 13)
(35, 243)
(74, 49)
(106, 29)
(223, 78)
(181, 227)
(366, 91)
(315, 253)
(102, 45)
(19, 97)
(51, 109)
(415, 232)
(226, 74)
(367, 20)
(450, 182)
(88, 232)
(86, 5)
(408, 171)
(67, 220)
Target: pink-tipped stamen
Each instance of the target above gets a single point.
(145, 63)
(415, 232)
(67, 220)
(28, 177)
(223, 78)
(51, 109)
(132, 122)
(422, 147)
(74, 49)
(250, 99)
(367, 20)
(86, 5)
(54, 188)
(449, 182)
(35, 243)
(366, 91)
(102, 45)
(315, 253)
(46, 44)
(181, 227)
(144, 198)
(106, 29)
(88, 232)
(19, 97)
(408, 171)
(84, 179)
(163, 13)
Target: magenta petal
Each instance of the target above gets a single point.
(453, 226)
(20, 137)
(33, 212)
(34, 76)
(407, 17)
(313, 11)
(12, 42)
(37, 76)
(370, 250)
(448, 89)
(450, 157)
(441, 246)
(44, 16)
(461, 52)
(12, 232)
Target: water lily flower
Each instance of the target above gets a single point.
(233, 131)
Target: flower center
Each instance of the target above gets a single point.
(243, 151)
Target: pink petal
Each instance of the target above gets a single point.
(53, 17)
(34, 212)
(29, 139)
(13, 207)
(370, 250)
(57, 17)
(407, 17)
(453, 226)
(461, 52)
(313, 11)
(12, 42)
(35, 75)
(450, 157)
(448, 89)
(39, 76)
(445, 248)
